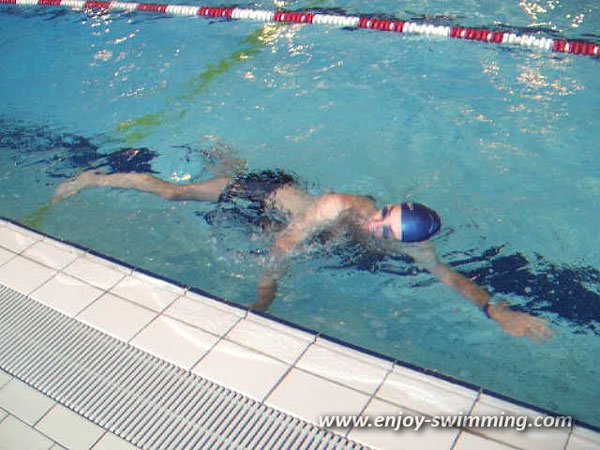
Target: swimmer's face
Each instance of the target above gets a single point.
(386, 223)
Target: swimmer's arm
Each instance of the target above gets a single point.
(267, 289)
(325, 210)
(512, 322)
(426, 257)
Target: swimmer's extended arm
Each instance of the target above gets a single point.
(512, 322)
(325, 210)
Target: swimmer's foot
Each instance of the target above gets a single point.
(70, 188)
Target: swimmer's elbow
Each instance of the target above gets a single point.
(443, 273)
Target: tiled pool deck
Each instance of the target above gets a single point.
(295, 371)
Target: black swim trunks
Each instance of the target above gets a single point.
(245, 200)
(256, 187)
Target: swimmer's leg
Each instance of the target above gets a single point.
(70, 188)
(206, 191)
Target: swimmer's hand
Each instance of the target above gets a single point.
(265, 294)
(520, 324)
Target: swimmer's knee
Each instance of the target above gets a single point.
(172, 193)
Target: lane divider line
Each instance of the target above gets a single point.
(575, 47)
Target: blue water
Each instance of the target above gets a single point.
(501, 142)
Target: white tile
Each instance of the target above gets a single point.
(3, 414)
(111, 442)
(308, 397)
(15, 239)
(66, 294)
(24, 402)
(174, 341)
(4, 378)
(583, 439)
(24, 275)
(69, 429)
(95, 271)
(5, 255)
(116, 316)
(273, 341)
(468, 441)
(426, 394)
(278, 326)
(343, 367)
(533, 439)
(196, 311)
(355, 354)
(15, 435)
(241, 369)
(146, 291)
(104, 261)
(29, 233)
(201, 299)
(52, 254)
(400, 438)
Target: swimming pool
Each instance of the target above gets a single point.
(499, 140)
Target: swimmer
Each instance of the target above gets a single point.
(395, 229)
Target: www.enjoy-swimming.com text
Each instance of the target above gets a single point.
(401, 421)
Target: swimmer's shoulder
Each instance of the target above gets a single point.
(423, 254)
(346, 201)
(332, 206)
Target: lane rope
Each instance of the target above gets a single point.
(576, 47)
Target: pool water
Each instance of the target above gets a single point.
(500, 141)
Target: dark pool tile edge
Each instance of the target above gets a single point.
(338, 341)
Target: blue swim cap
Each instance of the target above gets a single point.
(419, 222)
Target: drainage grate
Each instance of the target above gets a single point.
(149, 402)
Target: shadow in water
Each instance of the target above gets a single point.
(63, 155)
(570, 292)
